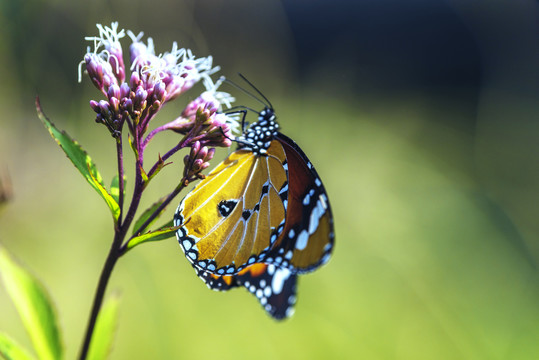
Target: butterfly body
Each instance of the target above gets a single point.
(259, 219)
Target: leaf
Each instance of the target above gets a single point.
(132, 145)
(81, 160)
(113, 205)
(115, 188)
(146, 214)
(34, 307)
(144, 176)
(159, 166)
(104, 330)
(169, 223)
(11, 350)
(157, 235)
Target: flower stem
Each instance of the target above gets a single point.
(100, 293)
(114, 252)
(121, 182)
(171, 152)
(156, 213)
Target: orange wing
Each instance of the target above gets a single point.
(231, 218)
(308, 237)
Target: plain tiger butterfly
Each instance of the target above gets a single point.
(260, 218)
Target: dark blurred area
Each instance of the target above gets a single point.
(393, 46)
(421, 116)
(356, 47)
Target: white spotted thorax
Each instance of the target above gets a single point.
(260, 134)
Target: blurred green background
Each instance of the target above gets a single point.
(422, 118)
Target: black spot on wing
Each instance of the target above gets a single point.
(225, 207)
(246, 214)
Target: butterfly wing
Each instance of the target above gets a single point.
(231, 218)
(308, 237)
(274, 287)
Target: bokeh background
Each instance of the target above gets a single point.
(421, 116)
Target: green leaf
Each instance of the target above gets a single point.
(115, 188)
(132, 145)
(105, 328)
(11, 350)
(146, 214)
(169, 223)
(34, 307)
(144, 176)
(81, 160)
(161, 234)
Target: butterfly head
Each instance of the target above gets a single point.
(257, 138)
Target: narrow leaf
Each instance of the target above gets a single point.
(169, 223)
(132, 145)
(144, 176)
(80, 159)
(146, 214)
(156, 235)
(11, 350)
(113, 204)
(159, 166)
(105, 328)
(115, 188)
(34, 307)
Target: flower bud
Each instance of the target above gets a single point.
(210, 154)
(135, 80)
(95, 106)
(113, 92)
(125, 90)
(159, 92)
(202, 152)
(195, 149)
(104, 107)
(140, 98)
(197, 165)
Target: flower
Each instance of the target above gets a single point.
(197, 160)
(105, 64)
(216, 121)
(154, 80)
(178, 69)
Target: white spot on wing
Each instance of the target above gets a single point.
(301, 242)
(313, 221)
(323, 201)
(277, 283)
(290, 311)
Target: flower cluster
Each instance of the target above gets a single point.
(197, 161)
(154, 80)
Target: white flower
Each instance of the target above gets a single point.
(109, 37)
(107, 52)
(179, 69)
(218, 97)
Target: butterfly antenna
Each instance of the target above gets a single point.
(234, 109)
(255, 89)
(266, 104)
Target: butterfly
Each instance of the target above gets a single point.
(260, 218)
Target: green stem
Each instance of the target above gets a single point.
(100, 293)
